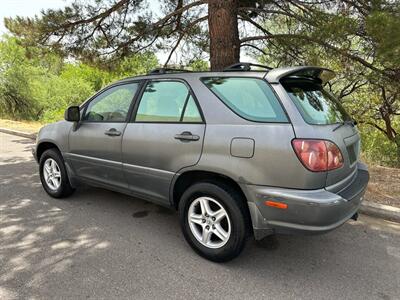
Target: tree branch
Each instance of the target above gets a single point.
(173, 49)
(187, 28)
(160, 23)
(258, 26)
(254, 47)
(102, 15)
(353, 87)
(178, 11)
(322, 43)
(376, 126)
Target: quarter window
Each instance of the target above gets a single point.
(167, 101)
(191, 114)
(250, 98)
(112, 105)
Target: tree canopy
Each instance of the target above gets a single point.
(356, 38)
(39, 85)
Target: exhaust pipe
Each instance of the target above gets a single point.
(355, 216)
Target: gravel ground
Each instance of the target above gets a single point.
(384, 186)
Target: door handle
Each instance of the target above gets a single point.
(112, 132)
(186, 136)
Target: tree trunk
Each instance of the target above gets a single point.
(224, 33)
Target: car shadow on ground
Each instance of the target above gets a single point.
(96, 234)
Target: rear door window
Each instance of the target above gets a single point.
(167, 102)
(250, 98)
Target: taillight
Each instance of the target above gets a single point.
(318, 155)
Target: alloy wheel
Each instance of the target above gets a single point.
(52, 174)
(209, 222)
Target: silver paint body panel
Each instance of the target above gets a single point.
(151, 156)
(96, 156)
(146, 159)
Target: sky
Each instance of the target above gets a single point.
(30, 8)
(26, 8)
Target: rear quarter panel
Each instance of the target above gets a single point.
(274, 162)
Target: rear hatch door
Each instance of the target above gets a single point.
(322, 117)
(347, 138)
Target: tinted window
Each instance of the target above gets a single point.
(316, 105)
(191, 112)
(111, 105)
(167, 101)
(250, 98)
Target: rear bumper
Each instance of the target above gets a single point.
(308, 211)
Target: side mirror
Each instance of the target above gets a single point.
(72, 114)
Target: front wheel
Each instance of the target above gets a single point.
(53, 174)
(214, 220)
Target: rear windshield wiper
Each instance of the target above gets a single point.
(347, 122)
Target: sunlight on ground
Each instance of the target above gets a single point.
(26, 126)
(22, 244)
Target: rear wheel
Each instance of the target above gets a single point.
(214, 220)
(53, 174)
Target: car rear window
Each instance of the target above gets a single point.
(250, 98)
(317, 106)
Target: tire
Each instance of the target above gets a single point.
(53, 159)
(219, 246)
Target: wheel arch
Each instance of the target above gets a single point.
(43, 146)
(186, 179)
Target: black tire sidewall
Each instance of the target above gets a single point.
(65, 187)
(236, 215)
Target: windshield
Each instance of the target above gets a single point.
(317, 106)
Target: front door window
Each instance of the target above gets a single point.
(112, 105)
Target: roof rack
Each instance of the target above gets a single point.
(160, 71)
(243, 66)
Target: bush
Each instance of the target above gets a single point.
(16, 100)
(54, 94)
(37, 85)
(376, 148)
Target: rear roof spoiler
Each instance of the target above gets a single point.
(275, 75)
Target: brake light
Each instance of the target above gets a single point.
(318, 155)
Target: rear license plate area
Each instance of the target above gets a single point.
(352, 151)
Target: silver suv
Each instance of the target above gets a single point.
(237, 153)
